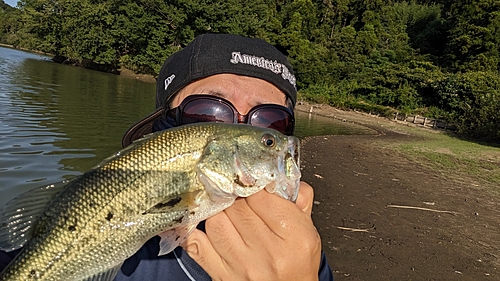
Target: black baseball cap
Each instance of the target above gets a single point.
(211, 54)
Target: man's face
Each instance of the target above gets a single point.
(242, 91)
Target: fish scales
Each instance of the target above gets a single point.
(94, 193)
(104, 216)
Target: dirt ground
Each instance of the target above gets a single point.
(367, 200)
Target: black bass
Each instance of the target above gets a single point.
(163, 184)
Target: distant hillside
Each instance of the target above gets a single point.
(4, 6)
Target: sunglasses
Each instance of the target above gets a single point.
(207, 108)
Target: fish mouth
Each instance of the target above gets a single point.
(288, 182)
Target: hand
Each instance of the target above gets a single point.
(262, 237)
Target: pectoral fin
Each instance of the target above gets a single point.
(20, 215)
(171, 238)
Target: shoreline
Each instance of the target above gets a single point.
(25, 50)
(121, 71)
(376, 122)
(142, 77)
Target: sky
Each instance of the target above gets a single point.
(12, 3)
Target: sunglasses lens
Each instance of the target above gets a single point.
(205, 110)
(274, 118)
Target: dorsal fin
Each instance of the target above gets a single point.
(21, 213)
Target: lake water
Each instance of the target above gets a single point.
(57, 121)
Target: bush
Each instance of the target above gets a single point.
(473, 98)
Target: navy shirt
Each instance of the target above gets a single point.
(177, 265)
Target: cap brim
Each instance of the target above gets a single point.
(141, 128)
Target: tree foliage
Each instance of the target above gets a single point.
(473, 100)
(435, 57)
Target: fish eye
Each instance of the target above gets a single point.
(268, 140)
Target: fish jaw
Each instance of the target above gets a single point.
(288, 181)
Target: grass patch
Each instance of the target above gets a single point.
(454, 157)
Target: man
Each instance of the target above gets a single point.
(230, 78)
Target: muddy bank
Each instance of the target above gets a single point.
(382, 216)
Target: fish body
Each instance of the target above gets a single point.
(163, 184)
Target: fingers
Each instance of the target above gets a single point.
(257, 239)
(277, 213)
(200, 248)
(246, 222)
(306, 198)
(230, 244)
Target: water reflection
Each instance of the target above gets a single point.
(57, 120)
(314, 125)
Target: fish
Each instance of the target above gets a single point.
(163, 184)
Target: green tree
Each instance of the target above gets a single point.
(473, 101)
(474, 40)
(297, 39)
(426, 28)
(8, 23)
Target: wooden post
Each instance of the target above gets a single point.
(425, 120)
(396, 117)
(414, 119)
